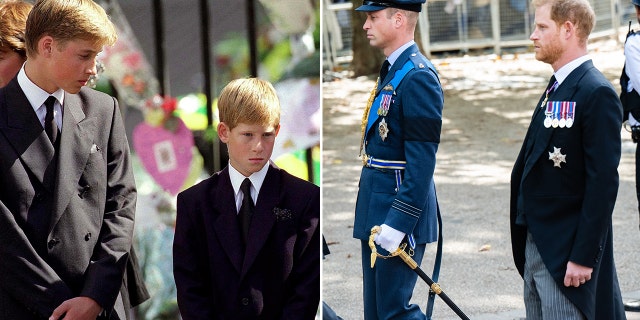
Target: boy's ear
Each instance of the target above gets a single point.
(223, 132)
(277, 129)
(45, 46)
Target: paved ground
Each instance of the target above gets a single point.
(488, 105)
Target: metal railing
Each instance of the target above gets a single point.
(461, 25)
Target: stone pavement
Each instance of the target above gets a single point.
(520, 313)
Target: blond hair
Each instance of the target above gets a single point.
(13, 20)
(249, 101)
(578, 12)
(68, 20)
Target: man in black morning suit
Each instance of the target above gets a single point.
(565, 181)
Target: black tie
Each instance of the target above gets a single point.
(384, 70)
(50, 125)
(246, 209)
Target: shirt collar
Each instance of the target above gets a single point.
(564, 72)
(257, 178)
(35, 94)
(396, 54)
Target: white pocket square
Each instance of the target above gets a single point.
(95, 148)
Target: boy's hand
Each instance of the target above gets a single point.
(79, 308)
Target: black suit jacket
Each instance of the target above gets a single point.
(568, 209)
(276, 277)
(68, 222)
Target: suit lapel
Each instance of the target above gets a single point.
(564, 92)
(75, 147)
(26, 134)
(263, 218)
(225, 221)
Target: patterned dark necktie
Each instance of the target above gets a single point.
(553, 83)
(384, 70)
(50, 125)
(246, 209)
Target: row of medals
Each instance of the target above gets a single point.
(383, 110)
(559, 114)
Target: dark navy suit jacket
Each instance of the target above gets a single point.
(276, 277)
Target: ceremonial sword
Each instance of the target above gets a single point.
(414, 266)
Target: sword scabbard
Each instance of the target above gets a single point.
(436, 288)
(407, 259)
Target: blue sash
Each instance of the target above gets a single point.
(397, 78)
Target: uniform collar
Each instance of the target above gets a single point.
(396, 54)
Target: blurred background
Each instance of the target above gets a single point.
(449, 27)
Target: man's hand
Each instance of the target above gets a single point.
(576, 275)
(389, 238)
(79, 308)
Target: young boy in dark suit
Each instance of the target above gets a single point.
(247, 242)
(67, 192)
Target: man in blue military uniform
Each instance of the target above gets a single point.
(400, 135)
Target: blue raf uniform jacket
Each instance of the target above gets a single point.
(403, 199)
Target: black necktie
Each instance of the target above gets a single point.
(50, 125)
(384, 70)
(246, 209)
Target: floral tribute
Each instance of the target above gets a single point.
(163, 143)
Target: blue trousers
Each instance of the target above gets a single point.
(388, 287)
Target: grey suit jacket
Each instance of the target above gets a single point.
(66, 224)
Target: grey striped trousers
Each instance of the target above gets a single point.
(542, 297)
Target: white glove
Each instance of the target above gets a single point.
(389, 238)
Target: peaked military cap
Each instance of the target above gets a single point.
(636, 2)
(411, 5)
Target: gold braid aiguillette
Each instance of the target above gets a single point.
(365, 119)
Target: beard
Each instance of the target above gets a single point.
(550, 53)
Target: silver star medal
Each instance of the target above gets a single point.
(557, 157)
(383, 129)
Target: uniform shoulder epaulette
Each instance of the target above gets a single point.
(420, 61)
